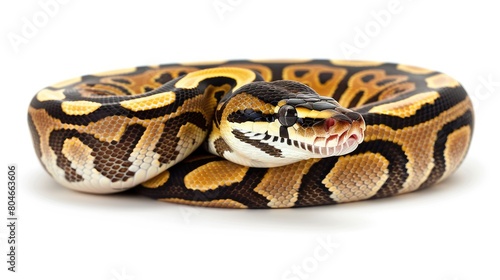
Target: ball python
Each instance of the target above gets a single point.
(254, 134)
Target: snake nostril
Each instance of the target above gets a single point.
(329, 123)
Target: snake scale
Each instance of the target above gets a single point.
(254, 134)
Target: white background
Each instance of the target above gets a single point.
(448, 232)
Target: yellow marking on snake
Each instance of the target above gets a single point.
(357, 177)
(311, 113)
(214, 174)
(264, 71)
(406, 107)
(157, 181)
(79, 108)
(149, 102)
(242, 76)
(441, 81)
(49, 94)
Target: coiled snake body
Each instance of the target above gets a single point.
(285, 146)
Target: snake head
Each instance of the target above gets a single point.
(278, 123)
(318, 126)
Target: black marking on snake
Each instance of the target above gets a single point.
(164, 78)
(300, 73)
(121, 81)
(219, 94)
(355, 100)
(324, 77)
(284, 133)
(385, 82)
(266, 148)
(367, 78)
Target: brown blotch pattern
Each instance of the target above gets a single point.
(311, 75)
(221, 146)
(366, 85)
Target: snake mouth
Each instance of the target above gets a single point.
(337, 145)
(339, 141)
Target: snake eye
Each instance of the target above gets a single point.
(287, 115)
